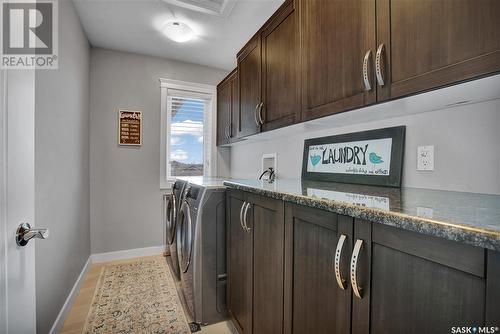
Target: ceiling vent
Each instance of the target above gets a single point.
(213, 7)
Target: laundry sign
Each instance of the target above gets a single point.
(129, 127)
(369, 157)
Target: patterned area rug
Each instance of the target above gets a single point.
(136, 297)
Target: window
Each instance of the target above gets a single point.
(187, 127)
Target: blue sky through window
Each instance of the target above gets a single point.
(186, 143)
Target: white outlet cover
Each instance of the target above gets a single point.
(425, 158)
(425, 212)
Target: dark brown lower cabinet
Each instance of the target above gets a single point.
(295, 269)
(412, 283)
(239, 265)
(256, 263)
(314, 302)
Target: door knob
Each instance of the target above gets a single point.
(25, 233)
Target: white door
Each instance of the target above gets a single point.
(17, 202)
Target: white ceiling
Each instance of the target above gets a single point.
(135, 26)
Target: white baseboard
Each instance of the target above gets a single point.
(127, 254)
(63, 314)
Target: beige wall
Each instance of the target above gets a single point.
(126, 200)
(62, 185)
(466, 138)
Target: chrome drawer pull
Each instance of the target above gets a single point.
(354, 269)
(368, 55)
(241, 215)
(245, 218)
(378, 66)
(261, 120)
(338, 255)
(255, 114)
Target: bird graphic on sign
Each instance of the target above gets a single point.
(375, 159)
(315, 159)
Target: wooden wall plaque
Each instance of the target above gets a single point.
(129, 127)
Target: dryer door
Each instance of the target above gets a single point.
(184, 237)
(171, 215)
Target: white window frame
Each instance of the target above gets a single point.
(209, 127)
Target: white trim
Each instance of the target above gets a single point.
(3, 204)
(63, 314)
(188, 86)
(210, 128)
(164, 140)
(127, 254)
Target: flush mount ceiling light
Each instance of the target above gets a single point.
(178, 31)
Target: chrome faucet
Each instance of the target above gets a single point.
(272, 174)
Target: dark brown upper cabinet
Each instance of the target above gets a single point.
(280, 69)
(235, 105)
(224, 104)
(250, 97)
(315, 58)
(227, 109)
(338, 44)
(427, 44)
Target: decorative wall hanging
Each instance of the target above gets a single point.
(129, 127)
(373, 157)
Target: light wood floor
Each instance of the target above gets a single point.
(78, 314)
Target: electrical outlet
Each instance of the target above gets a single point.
(425, 212)
(425, 158)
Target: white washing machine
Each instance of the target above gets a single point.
(201, 248)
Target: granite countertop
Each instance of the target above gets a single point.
(465, 217)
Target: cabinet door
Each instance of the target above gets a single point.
(314, 301)
(434, 43)
(419, 284)
(224, 104)
(280, 69)
(267, 225)
(239, 263)
(493, 289)
(336, 35)
(235, 105)
(249, 73)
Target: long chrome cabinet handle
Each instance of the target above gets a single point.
(245, 218)
(378, 66)
(354, 269)
(228, 130)
(241, 215)
(366, 79)
(338, 255)
(255, 114)
(261, 120)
